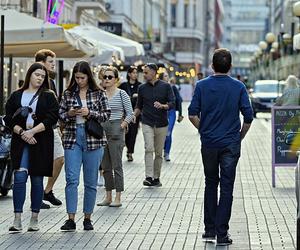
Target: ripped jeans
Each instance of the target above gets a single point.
(19, 188)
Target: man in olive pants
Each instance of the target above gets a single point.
(155, 97)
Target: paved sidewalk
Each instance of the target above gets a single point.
(171, 217)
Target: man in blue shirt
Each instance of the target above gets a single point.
(215, 112)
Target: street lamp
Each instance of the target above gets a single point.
(262, 45)
(286, 41)
(270, 38)
(296, 9)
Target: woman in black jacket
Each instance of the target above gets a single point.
(31, 112)
(131, 88)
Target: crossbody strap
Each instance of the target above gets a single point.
(78, 99)
(124, 110)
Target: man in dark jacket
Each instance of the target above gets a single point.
(214, 111)
(155, 97)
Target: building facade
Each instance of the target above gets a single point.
(244, 26)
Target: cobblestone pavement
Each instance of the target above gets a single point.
(171, 217)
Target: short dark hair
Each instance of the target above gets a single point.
(151, 66)
(222, 60)
(41, 55)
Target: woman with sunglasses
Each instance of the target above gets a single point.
(81, 101)
(131, 88)
(31, 112)
(121, 116)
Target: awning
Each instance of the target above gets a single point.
(24, 35)
(105, 51)
(130, 47)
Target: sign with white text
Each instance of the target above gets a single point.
(285, 119)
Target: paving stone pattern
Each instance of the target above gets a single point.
(171, 217)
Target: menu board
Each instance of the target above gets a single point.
(285, 119)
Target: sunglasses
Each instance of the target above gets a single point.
(108, 77)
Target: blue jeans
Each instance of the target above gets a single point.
(74, 158)
(171, 120)
(19, 188)
(217, 213)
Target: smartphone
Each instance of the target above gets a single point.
(77, 107)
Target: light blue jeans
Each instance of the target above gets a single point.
(19, 188)
(171, 120)
(90, 160)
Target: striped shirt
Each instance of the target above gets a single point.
(120, 106)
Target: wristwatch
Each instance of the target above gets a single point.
(21, 131)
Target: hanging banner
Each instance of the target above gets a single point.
(55, 8)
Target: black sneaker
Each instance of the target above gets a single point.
(208, 236)
(52, 199)
(87, 224)
(69, 226)
(156, 183)
(225, 241)
(148, 182)
(45, 206)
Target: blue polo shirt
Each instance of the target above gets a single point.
(218, 101)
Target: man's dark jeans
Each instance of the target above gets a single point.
(219, 166)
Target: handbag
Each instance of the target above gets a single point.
(92, 126)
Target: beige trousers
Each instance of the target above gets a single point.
(154, 143)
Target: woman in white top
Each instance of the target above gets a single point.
(31, 111)
(121, 116)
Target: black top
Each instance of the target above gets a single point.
(131, 89)
(178, 100)
(147, 95)
(52, 86)
(41, 153)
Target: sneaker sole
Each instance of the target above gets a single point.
(147, 184)
(67, 230)
(15, 231)
(224, 244)
(209, 239)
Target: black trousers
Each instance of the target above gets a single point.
(130, 136)
(219, 168)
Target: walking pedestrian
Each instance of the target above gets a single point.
(291, 93)
(214, 111)
(82, 102)
(47, 58)
(121, 116)
(171, 113)
(131, 88)
(155, 98)
(31, 111)
(100, 182)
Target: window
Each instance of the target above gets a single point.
(185, 15)
(173, 14)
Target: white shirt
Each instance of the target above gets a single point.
(26, 98)
(79, 118)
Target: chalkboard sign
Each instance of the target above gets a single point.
(285, 119)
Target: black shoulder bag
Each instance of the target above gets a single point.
(26, 110)
(92, 126)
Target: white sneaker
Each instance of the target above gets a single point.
(33, 225)
(100, 182)
(17, 226)
(167, 157)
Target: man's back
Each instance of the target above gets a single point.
(219, 99)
